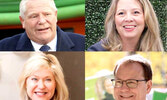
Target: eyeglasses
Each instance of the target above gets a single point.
(131, 83)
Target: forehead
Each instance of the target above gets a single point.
(42, 72)
(130, 70)
(129, 4)
(38, 6)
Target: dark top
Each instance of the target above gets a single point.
(97, 47)
(66, 41)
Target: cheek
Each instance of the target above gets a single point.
(118, 22)
(52, 87)
(53, 21)
(140, 93)
(115, 93)
(30, 88)
(29, 24)
(140, 20)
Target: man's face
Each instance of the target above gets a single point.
(40, 21)
(128, 71)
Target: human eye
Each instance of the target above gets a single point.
(132, 83)
(136, 12)
(118, 83)
(120, 13)
(48, 79)
(33, 16)
(34, 79)
(47, 14)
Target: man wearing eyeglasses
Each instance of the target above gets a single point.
(133, 78)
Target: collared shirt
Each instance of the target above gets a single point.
(52, 45)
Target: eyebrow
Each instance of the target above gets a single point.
(126, 79)
(31, 13)
(42, 77)
(130, 9)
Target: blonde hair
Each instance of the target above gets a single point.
(149, 40)
(44, 61)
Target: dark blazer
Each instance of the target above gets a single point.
(66, 41)
(97, 47)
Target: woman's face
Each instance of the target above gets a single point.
(129, 19)
(41, 85)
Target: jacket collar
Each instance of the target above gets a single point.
(24, 43)
(64, 43)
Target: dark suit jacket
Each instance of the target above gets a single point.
(97, 47)
(66, 41)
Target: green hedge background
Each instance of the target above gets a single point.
(95, 12)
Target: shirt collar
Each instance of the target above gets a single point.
(52, 45)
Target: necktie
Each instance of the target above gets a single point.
(44, 48)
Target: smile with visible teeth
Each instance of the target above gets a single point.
(40, 93)
(126, 96)
(129, 26)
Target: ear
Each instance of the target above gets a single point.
(56, 15)
(149, 86)
(22, 21)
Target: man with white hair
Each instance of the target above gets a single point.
(39, 19)
(133, 78)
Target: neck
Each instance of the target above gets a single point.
(129, 45)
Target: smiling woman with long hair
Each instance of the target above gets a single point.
(130, 25)
(42, 78)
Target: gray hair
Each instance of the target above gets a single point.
(23, 7)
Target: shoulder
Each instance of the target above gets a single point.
(97, 47)
(78, 40)
(75, 36)
(71, 35)
(9, 43)
(74, 41)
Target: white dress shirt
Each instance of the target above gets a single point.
(52, 45)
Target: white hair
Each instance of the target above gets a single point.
(23, 7)
(136, 58)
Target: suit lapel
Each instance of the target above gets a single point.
(64, 43)
(24, 43)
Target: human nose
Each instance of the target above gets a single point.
(41, 84)
(41, 20)
(128, 17)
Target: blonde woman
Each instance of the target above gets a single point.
(130, 25)
(42, 78)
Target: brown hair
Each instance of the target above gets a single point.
(146, 69)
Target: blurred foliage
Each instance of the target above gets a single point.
(90, 89)
(95, 12)
(97, 61)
